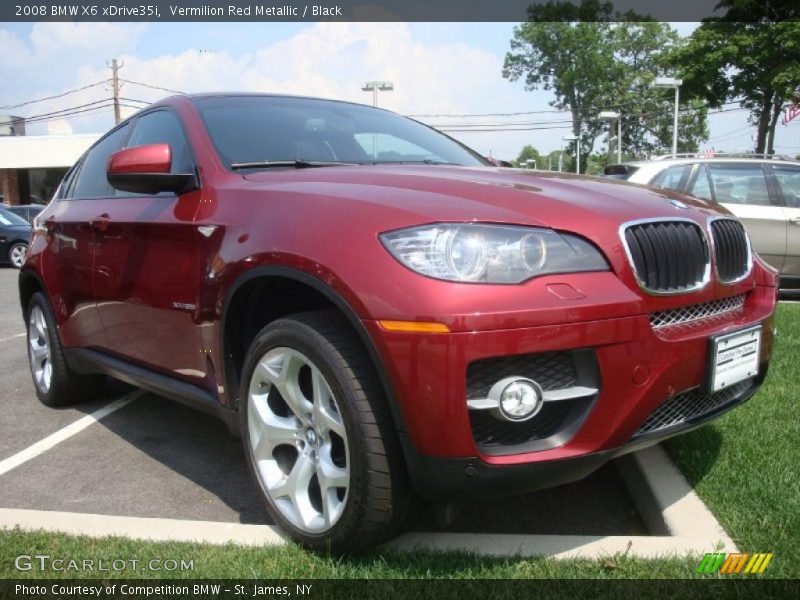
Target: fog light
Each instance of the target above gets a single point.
(518, 399)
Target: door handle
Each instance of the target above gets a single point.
(795, 220)
(100, 222)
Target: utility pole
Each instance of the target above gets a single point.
(115, 67)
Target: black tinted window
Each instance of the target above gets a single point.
(163, 127)
(262, 128)
(91, 181)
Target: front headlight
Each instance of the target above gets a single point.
(484, 253)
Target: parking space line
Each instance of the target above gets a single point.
(142, 528)
(12, 337)
(65, 433)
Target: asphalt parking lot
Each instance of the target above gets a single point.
(156, 458)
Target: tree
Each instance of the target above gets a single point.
(751, 55)
(595, 64)
(527, 153)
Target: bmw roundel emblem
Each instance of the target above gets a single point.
(679, 204)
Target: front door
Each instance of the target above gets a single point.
(147, 269)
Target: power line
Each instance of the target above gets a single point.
(154, 87)
(544, 125)
(536, 112)
(74, 113)
(67, 93)
(64, 110)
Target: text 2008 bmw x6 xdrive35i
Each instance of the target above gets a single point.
(380, 314)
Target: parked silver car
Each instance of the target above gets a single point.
(762, 190)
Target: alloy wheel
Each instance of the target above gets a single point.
(17, 255)
(39, 349)
(298, 439)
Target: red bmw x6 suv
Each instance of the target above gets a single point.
(382, 315)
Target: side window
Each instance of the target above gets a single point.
(739, 183)
(68, 181)
(789, 183)
(163, 127)
(672, 178)
(701, 187)
(91, 181)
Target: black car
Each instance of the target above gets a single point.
(26, 211)
(14, 234)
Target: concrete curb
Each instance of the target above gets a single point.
(666, 501)
(672, 511)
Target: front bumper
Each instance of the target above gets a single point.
(639, 368)
(450, 479)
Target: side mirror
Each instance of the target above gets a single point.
(146, 170)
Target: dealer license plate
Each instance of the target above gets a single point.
(734, 357)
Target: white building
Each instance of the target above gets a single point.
(32, 165)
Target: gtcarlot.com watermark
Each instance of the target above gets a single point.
(48, 563)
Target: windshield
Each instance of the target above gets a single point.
(9, 218)
(253, 129)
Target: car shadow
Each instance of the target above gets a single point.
(199, 448)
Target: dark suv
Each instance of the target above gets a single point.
(382, 315)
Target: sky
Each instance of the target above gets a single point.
(436, 69)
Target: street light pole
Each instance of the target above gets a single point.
(675, 120)
(671, 82)
(609, 115)
(374, 86)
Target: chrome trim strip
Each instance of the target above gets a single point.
(750, 261)
(642, 285)
(570, 393)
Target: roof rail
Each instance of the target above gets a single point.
(713, 154)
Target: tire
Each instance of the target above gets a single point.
(56, 384)
(17, 253)
(316, 360)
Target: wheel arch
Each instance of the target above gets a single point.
(29, 283)
(246, 293)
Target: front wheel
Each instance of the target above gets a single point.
(318, 437)
(17, 254)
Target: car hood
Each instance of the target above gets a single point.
(429, 193)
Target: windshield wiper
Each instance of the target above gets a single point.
(297, 164)
(424, 161)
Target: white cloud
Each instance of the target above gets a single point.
(50, 38)
(13, 48)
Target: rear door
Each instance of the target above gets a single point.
(68, 262)
(742, 188)
(147, 269)
(787, 179)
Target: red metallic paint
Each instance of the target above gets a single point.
(117, 289)
(153, 158)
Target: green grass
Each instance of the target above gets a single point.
(744, 466)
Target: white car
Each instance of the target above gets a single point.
(762, 190)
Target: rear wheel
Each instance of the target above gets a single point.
(55, 382)
(17, 254)
(318, 437)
